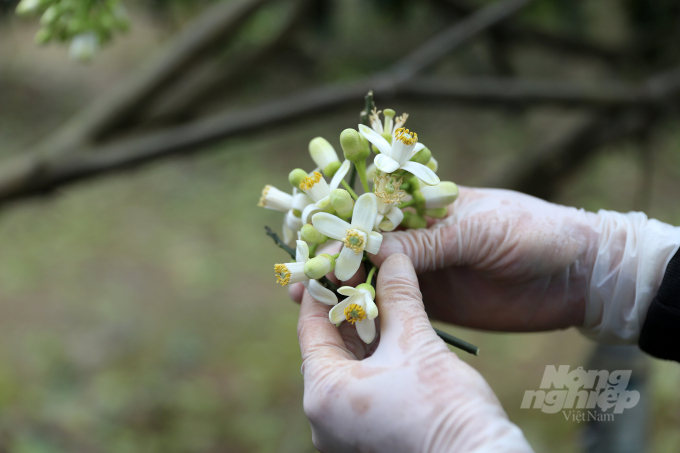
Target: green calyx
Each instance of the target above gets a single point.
(317, 267)
(311, 234)
(423, 156)
(368, 288)
(296, 176)
(342, 202)
(438, 213)
(352, 147)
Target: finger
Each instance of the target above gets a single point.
(295, 292)
(402, 315)
(433, 248)
(319, 339)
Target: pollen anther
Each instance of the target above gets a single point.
(311, 180)
(282, 274)
(355, 240)
(354, 313)
(405, 136)
(263, 198)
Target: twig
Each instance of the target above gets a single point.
(457, 342)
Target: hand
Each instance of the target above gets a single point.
(503, 260)
(408, 394)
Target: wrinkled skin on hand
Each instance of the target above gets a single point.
(405, 392)
(502, 260)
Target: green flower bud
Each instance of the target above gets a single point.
(342, 201)
(319, 266)
(423, 156)
(296, 176)
(418, 197)
(439, 213)
(311, 234)
(367, 287)
(366, 144)
(331, 168)
(413, 221)
(350, 141)
(432, 164)
(50, 15)
(323, 154)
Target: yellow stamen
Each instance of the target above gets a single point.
(354, 241)
(309, 182)
(263, 198)
(282, 274)
(386, 187)
(405, 136)
(354, 313)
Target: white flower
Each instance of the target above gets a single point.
(319, 191)
(323, 154)
(388, 194)
(295, 273)
(83, 46)
(277, 200)
(441, 195)
(397, 155)
(357, 237)
(359, 309)
(391, 123)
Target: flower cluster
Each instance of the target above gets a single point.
(405, 191)
(87, 24)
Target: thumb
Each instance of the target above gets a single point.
(403, 320)
(428, 249)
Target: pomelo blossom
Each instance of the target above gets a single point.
(291, 205)
(358, 309)
(357, 237)
(397, 155)
(388, 196)
(316, 187)
(290, 273)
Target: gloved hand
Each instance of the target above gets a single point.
(408, 394)
(503, 260)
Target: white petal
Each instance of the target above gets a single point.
(419, 147)
(297, 272)
(309, 212)
(323, 295)
(350, 291)
(340, 174)
(378, 140)
(421, 172)
(273, 198)
(378, 219)
(301, 201)
(401, 152)
(365, 210)
(392, 220)
(322, 152)
(347, 263)
(337, 313)
(301, 252)
(370, 307)
(373, 243)
(370, 172)
(385, 163)
(330, 225)
(441, 195)
(288, 233)
(292, 221)
(366, 330)
(319, 190)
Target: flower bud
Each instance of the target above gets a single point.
(413, 221)
(439, 196)
(342, 201)
(438, 213)
(323, 154)
(50, 15)
(28, 7)
(423, 156)
(332, 168)
(354, 150)
(418, 197)
(319, 266)
(368, 287)
(296, 176)
(432, 164)
(311, 234)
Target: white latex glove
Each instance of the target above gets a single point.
(408, 394)
(507, 261)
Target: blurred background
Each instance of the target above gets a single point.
(138, 311)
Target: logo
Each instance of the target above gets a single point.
(595, 392)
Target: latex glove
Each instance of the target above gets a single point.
(410, 395)
(503, 260)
